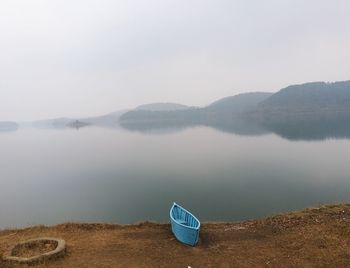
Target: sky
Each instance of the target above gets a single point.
(91, 57)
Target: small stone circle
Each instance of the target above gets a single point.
(57, 252)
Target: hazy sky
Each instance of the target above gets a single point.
(84, 57)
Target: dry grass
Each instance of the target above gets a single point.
(311, 238)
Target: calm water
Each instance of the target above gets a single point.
(115, 175)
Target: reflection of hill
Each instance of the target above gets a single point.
(238, 126)
(77, 124)
(291, 128)
(157, 127)
(311, 127)
(233, 125)
(8, 126)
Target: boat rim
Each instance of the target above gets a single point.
(171, 216)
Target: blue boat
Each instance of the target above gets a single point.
(184, 225)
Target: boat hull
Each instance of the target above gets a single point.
(184, 225)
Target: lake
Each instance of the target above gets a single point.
(93, 174)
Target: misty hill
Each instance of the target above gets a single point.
(315, 98)
(59, 123)
(159, 116)
(223, 115)
(238, 103)
(108, 120)
(315, 110)
(8, 126)
(77, 124)
(227, 106)
(308, 111)
(53, 123)
(161, 107)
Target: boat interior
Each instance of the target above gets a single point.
(184, 217)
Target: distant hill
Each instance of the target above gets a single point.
(53, 123)
(223, 114)
(8, 126)
(315, 110)
(161, 107)
(77, 124)
(108, 120)
(238, 103)
(227, 106)
(308, 111)
(160, 116)
(309, 98)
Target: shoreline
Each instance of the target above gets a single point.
(111, 225)
(311, 237)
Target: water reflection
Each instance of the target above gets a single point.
(101, 174)
(291, 128)
(234, 125)
(8, 126)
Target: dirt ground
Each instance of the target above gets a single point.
(318, 237)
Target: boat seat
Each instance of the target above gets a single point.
(183, 222)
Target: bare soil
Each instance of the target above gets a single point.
(318, 237)
(34, 249)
